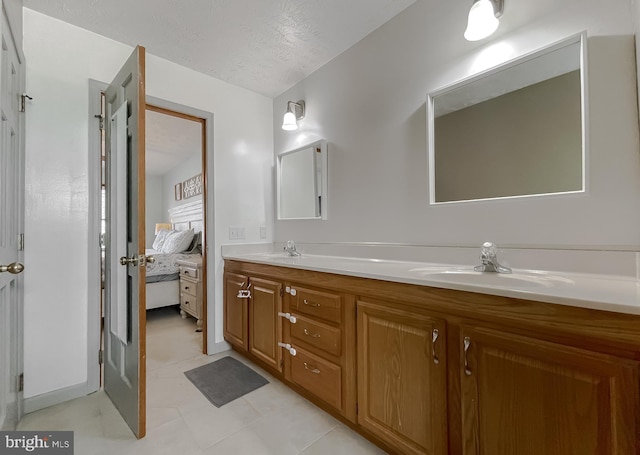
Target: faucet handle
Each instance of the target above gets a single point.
(489, 249)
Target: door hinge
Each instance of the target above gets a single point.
(281, 292)
(23, 102)
(281, 363)
(356, 408)
(100, 357)
(101, 117)
(20, 242)
(20, 382)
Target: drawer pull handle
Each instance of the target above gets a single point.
(313, 369)
(311, 303)
(434, 337)
(289, 348)
(309, 334)
(287, 316)
(467, 345)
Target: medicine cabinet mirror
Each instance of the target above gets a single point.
(302, 182)
(515, 130)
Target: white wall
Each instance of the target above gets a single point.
(369, 103)
(154, 209)
(60, 60)
(191, 167)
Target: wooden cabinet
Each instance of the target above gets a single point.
(316, 330)
(236, 311)
(191, 289)
(422, 370)
(522, 395)
(402, 378)
(251, 321)
(265, 329)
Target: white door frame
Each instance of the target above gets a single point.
(93, 298)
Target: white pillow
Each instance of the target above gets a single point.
(177, 241)
(160, 238)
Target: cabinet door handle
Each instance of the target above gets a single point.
(434, 337)
(313, 369)
(467, 345)
(311, 303)
(309, 334)
(186, 288)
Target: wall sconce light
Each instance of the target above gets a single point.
(295, 112)
(483, 19)
(162, 227)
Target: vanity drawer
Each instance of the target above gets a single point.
(318, 376)
(317, 334)
(318, 304)
(191, 272)
(189, 287)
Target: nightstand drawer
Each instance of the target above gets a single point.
(191, 272)
(189, 302)
(189, 287)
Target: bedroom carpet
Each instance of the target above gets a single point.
(225, 380)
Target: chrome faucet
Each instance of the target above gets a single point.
(291, 248)
(489, 260)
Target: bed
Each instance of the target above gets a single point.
(162, 283)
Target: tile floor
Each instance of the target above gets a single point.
(180, 420)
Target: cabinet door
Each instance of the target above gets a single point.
(402, 378)
(265, 327)
(525, 396)
(235, 310)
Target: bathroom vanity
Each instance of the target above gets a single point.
(435, 368)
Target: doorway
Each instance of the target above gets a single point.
(175, 163)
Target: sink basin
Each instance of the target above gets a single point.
(275, 256)
(527, 279)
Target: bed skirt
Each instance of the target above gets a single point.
(163, 293)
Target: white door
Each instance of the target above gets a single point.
(125, 309)
(11, 226)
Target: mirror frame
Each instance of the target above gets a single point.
(580, 38)
(324, 184)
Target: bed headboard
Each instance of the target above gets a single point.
(187, 216)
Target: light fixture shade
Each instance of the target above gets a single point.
(289, 122)
(482, 21)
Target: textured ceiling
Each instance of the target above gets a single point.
(170, 141)
(263, 45)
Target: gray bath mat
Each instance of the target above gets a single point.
(225, 380)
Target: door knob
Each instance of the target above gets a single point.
(140, 260)
(133, 260)
(14, 267)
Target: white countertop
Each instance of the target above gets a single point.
(619, 294)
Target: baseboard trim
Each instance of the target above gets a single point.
(221, 346)
(54, 397)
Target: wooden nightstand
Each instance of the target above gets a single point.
(191, 289)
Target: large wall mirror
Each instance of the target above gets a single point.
(302, 182)
(513, 131)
